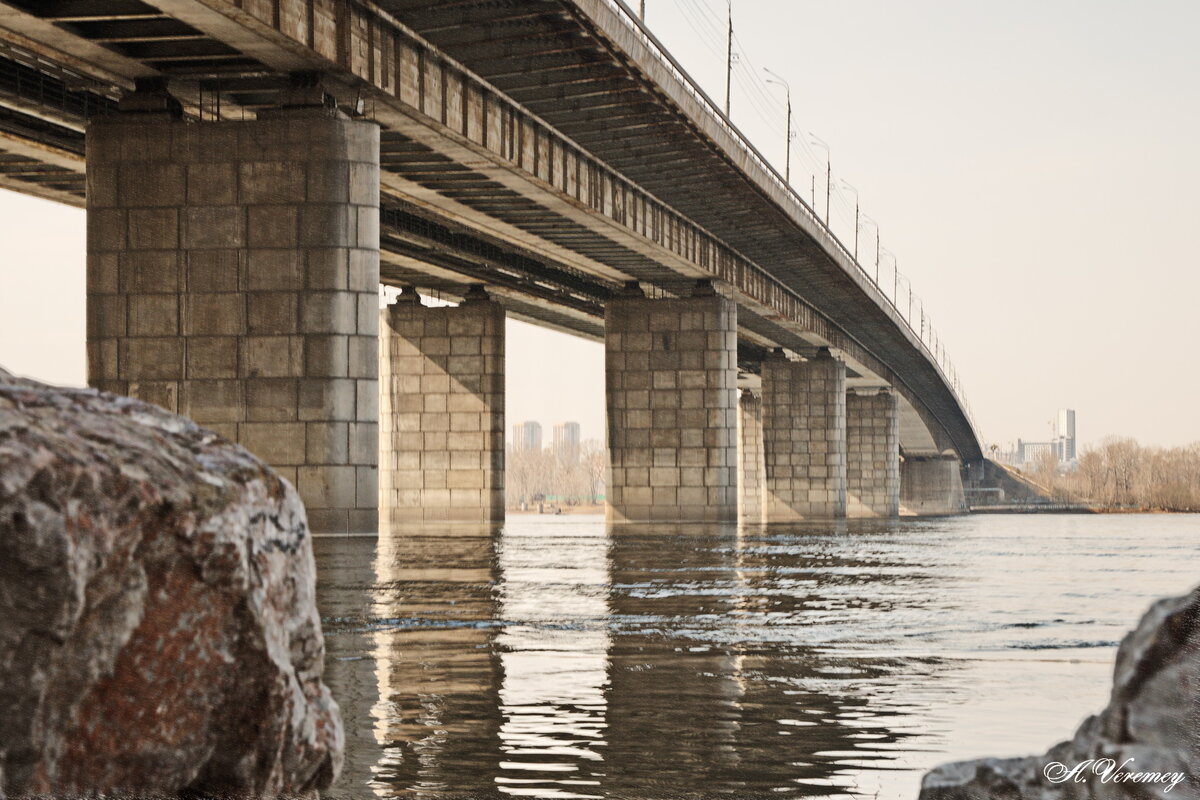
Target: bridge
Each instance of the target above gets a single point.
(254, 169)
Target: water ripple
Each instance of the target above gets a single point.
(559, 658)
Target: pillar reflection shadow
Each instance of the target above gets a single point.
(469, 663)
(433, 629)
(345, 597)
(554, 643)
(675, 683)
(564, 658)
(722, 677)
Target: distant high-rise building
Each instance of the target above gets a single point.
(527, 436)
(1028, 452)
(1065, 431)
(1062, 444)
(566, 441)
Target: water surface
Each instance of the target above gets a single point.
(554, 657)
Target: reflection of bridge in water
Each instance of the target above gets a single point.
(555, 660)
(248, 164)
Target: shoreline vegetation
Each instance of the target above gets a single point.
(1119, 476)
(564, 480)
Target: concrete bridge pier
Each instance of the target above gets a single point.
(804, 437)
(872, 453)
(671, 396)
(751, 467)
(232, 276)
(932, 485)
(442, 410)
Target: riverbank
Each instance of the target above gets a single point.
(1069, 508)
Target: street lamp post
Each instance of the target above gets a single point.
(895, 274)
(846, 184)
(819, 142)
(787, 159)
(908, 286)
(874, 224)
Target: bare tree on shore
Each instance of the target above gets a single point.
(1121, 473)
(563, 478)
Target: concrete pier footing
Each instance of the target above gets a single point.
(671, 392)
(232, 276)
(932, 486)
(442, 411)
(804, 437)
(872, 453)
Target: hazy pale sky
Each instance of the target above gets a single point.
(1032, 165)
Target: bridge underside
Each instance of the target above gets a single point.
(535, 147)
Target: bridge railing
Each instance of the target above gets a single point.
(930, 342)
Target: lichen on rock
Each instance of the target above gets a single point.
(158, 625)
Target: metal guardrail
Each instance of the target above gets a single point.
(60, 94)
(924, 333)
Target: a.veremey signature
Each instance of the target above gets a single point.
(1109, 771)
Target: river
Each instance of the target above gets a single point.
(556, 657)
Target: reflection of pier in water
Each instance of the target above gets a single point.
(436, 660)
(714, 687)
(554, 643)
(561, 659)
(345, 595)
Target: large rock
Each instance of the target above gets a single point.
(1153, 718)
(158, 630)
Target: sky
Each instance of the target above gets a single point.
(1032, 166)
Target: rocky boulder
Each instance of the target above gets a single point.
(1145, 744)
(158, 629)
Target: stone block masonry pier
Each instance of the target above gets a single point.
(442, 410)
(751, 467)
(804, 437)
(872, 453)
(671, 391)
(233, 272)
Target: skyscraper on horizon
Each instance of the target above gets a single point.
(1063, 444)
(1064, 430)
(566, 441)
(527, 436)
